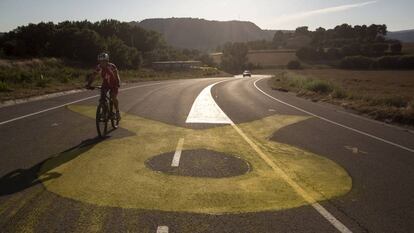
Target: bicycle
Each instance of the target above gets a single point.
(104, 113)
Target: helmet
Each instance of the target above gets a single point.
(103, 57)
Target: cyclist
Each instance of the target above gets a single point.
(110, 79)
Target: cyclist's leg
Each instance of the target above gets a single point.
(115, 102)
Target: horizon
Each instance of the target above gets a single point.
(266, 14)
(211, 20)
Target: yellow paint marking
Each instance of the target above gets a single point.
(12, 206)
(275, 167)
(113, 172)
(91, 219)
(298, 189)
(32, 217)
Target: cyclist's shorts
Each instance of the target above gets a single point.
(113, 90)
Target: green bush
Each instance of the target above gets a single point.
(393, 101)
(388, 62)
(318, 86)
(385, 62)
(4, 87)
(406, 62)
(308, 53)
(294, 65)
(356, 62)
(42, 81)
(396, 47)
(339, 93)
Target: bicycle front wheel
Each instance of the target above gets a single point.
(102, 120)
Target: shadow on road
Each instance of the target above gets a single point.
(21, 179)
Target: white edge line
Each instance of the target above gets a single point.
(333, 122)
(328, 216)
(162, 229)
(66, 104)
(177, 155)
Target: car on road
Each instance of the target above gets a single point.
(247, 73)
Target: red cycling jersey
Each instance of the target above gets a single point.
(109, 77)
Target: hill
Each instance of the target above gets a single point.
(406, 36)
(204, 34)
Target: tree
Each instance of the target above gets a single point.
(302, 31)
(279, 39)
(396, 47)
(318, 36)
(234, 57)
(87, 44)
(123, 55)
(207, 60)
(35, 37)
(380, 48)
(344, 31)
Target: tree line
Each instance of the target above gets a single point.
(129, 46)
(343, 41)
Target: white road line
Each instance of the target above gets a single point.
(333, 122)
(295, 186)
(177, 155)
(162, 229)
(66, 104)
(206, 110)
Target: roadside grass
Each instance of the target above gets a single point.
(356, 91)
(32, 77)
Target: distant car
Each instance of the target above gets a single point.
(247, 73)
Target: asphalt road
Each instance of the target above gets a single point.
(56, 176)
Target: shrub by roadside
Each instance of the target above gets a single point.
(385, 62)
(294, 65)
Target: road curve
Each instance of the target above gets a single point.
(380, 199)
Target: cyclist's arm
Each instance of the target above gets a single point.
(91, 76)
(116, 73)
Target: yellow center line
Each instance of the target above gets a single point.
(295, 186)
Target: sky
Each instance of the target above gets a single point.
(267, 14)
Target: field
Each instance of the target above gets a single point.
(408, 48)
(382, 95)
(27, 78)
(265, 58)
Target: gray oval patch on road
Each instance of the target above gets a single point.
(200, 163)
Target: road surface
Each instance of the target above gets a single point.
(203, 155)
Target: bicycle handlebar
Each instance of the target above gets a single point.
(93, 88)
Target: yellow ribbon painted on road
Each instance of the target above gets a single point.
(113, 172)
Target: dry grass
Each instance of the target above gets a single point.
(370, 83)
(27, 78)
(383, 95)
(408, 48)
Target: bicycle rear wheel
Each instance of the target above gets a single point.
(114, 118)
(102, 120)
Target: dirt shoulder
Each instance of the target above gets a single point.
(382, 95)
